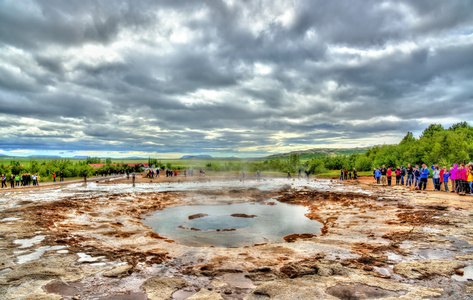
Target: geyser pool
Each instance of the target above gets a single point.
(252, 223)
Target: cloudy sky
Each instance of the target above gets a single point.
(244, 78)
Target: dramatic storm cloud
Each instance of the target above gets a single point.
(229, 77)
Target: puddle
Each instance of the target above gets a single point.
(250, 224)
(10, 219)
(467, 274)
(26, 243)
(21, 259)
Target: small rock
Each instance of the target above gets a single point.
(162, 288)
(418, 269)
(205, 294)
(368, 268)
(76, 297)
(119, 272)
(459, 272)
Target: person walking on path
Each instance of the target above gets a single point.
(4, 179)
(389, 174)
(12, 181)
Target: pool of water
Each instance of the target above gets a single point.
(214, 225)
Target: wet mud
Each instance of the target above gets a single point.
(90, 242)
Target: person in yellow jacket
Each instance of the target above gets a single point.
(469, 178)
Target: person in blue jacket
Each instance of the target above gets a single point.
(377, 173)
(446, 174)
(424, 174)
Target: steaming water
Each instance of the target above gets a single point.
(272, 223)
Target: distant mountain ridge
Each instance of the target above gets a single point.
(196, 156)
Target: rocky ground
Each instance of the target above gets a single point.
(88, 241)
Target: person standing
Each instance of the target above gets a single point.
(384, 172)
(398, 175)
(133, 177)
(445, 176)
(410, 171)
(341, 174)
(34, 179)
(258, 174)
(4, 181)
(12, 181)
(436, 177)
(403, 174)
(424, 175)
(453, 177)
(243, 174)
(299, 174)
(377, 175)
(17, 180)
(470, 178)
(389, 174)
(416, 176)
(54, 177)
(355, 174)
(61, 176)
(85, 176)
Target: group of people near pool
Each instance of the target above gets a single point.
(459, 177)
(17, 180)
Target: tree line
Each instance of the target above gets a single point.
(436, 145)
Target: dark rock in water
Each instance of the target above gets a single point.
(243, 216)
(196, 216)
(294, 237)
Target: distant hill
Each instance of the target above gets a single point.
(195, 156)
(44, 156)
(321, 152)
(80, 157)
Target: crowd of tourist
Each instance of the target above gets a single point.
(457, 179)
(20, 180)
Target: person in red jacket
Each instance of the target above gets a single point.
(54, 177)
(388, 175)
